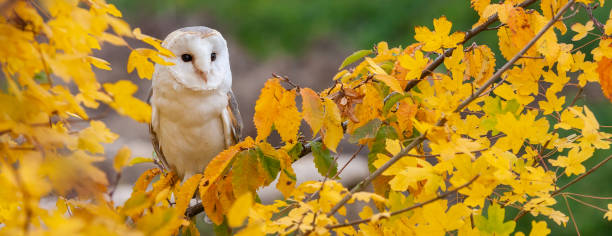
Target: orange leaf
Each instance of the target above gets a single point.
(144, 179)
(186, 192)
(604, 68)
(214, 171)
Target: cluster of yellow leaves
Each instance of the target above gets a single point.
(49, 147)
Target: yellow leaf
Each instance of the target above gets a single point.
(121, 158)
(582, 30)
(415, 65)
(138, 61)
(240, 210)
(214, 170)
(439, 38)
(153, 42)
(125, 104)
(332, 127)
(380, 216)
(100, 63)
(138, 160)
(393, 146)
(286, 181)
(366, 197)
(539, 229)
(145, 179)
(183, 197)
(91, 137)
(390, 81)
(552, 103)
(276, 106)
(312, 108)
(608, 214)
(480, 63)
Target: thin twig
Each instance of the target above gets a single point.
(587, 196)
(349, 161)
(571, 215)
(415, 206)
(587, 204)
(589, 10)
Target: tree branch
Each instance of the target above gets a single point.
(463, 104)
(418, 205)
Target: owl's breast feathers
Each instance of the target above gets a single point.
(189, 128)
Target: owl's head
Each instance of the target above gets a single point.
(202, 59)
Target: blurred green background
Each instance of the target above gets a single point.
(290, 29)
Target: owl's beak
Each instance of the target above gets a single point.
(201, 74)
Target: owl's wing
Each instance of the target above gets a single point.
(152, 130)
(232, 121)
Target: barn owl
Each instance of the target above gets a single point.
(194, 112)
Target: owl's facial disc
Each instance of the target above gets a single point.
(202, 61)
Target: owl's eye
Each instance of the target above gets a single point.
(213, 56)
(186, 57)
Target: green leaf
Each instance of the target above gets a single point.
(223, 229)
(512, 106)
(41, 78)
(246, 177)
(396, 97)
(494, 222)
(354, 57)
(270, 165)
(295, 151)
(492, 106)
(323, 160)
(384, 133)
(365, 131)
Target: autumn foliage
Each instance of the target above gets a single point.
(454, 136)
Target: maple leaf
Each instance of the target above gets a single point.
(573, 161)
(439, 38)
(124, 103)
(494, 223)
(414, 64)
(539, 229)
(608, 214)
(552, 103)
(581, 30)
